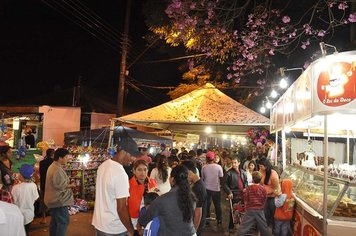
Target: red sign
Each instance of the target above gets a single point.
(336, 84)
(308, 230)
(297, 225)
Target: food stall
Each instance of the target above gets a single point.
(321, 103)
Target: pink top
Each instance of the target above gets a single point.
(211, 174)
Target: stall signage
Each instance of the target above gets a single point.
(192, 138)
(297, 227)
(308, 230)
(336, 84)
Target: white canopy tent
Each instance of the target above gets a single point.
(194, 112)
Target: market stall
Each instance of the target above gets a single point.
(321, 103)
(205, 113)
(89, 150)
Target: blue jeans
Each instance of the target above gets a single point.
(216, 197)
(59, 221)
(282, 228)
(270, 208)
(252, 218)
(101, 233)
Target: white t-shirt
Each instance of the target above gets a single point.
(112, 183)
(162, 186)
(25, 195)
(11, 220)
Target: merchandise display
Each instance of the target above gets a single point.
(308, 188)
(82, 168)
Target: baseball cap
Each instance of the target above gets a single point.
(210, 155)
(125, 142)
(26, 171)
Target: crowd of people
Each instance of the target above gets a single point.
(185, 184)
(170, 193)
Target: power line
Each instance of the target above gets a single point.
(90, 23)
(82, 24)
(105, 25)
(178, 58)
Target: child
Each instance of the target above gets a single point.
(25, 194)
(255, 198)
(284, 209)
(152, 227)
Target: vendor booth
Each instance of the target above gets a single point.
(321, 103)
(89, 150)
(206, 112)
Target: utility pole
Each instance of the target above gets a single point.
(125, 40)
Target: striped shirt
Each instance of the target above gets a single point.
(255, 197)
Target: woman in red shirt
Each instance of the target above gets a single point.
(140, 184)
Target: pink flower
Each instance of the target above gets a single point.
(342, 6)
(229, 76)
(271, 52)
(286, 19)
(321, 33)
(352, 18)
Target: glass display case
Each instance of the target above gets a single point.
(308, 187)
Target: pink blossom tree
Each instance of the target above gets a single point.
(245, 35)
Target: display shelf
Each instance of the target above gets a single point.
(82, 169)
(341, 201)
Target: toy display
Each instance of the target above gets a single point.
(82, 167)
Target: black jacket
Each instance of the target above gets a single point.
(230, 181)
(44, 164)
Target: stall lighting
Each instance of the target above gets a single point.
(224, 136)
(262, 109)
(208, 130)
(274, 94)
(85, 158)
(283, 83)
(268, 104)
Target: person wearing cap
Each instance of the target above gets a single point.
(111, 214)
(25, 194)
(211, 174)
(59, 194)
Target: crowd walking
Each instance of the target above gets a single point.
(172, 195)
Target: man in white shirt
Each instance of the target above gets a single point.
(111, 215)
(11, 220)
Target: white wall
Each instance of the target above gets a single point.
(336, 150)
(58, 120)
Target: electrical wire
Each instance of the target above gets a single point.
(92, 25)
(89, 21)
(82, 24)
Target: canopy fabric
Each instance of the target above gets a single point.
(100, 137)
(193, 112)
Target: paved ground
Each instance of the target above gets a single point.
(80, 225)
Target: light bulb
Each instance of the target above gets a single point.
(274, 94)
(283, 83)
(268, 105)
(262, 109)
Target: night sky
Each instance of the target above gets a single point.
(42, 51)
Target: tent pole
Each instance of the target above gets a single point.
(284, 146)
(326, 165)
(112, 127)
